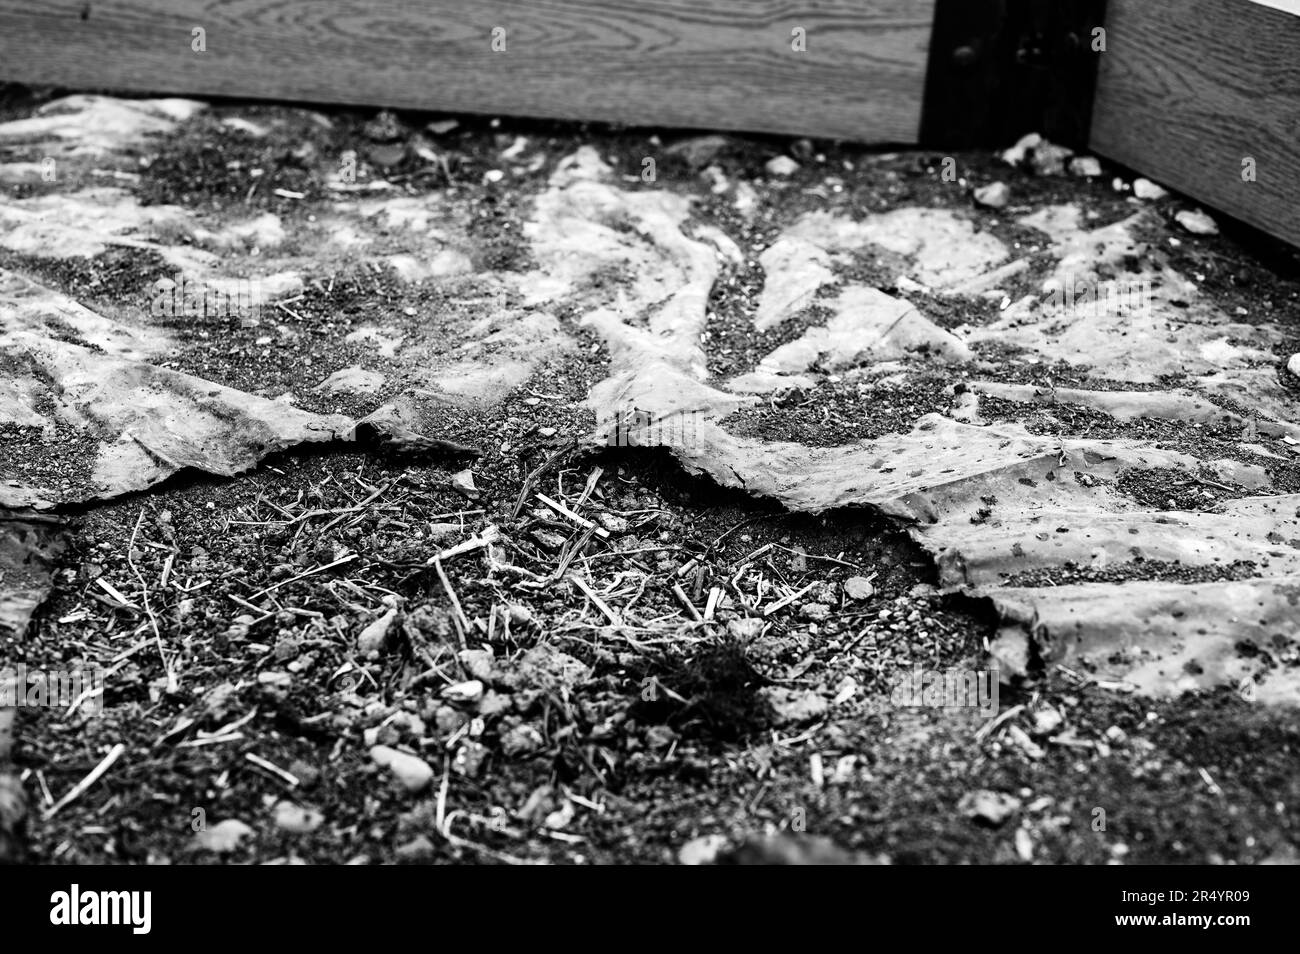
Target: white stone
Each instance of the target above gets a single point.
(469, 691)
(1016, 154)
(1086, 166)
(1147, 190)
(413, 772)
(859, 588)
(782, 166)
(995, 195)
(1197, 222)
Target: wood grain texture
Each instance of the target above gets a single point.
(1187, 91)
(718, 64)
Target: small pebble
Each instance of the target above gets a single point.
(1049, 159)
(1147, 190)
(1047, 721)
(702, 850)
(781, 166)
(413, 772)
(995, 195)
(469, 759)
(223, 837)
(859, 588)
(1016, 154)
(296, 819)
(793, 706)
(1197, 222)
(814, 611)
(521, 740)
(1088, 167)
(478, 663)
(463, 482)
(988, 807)
(374, 637)
(464, 692)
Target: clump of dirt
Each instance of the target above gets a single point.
(714, 694)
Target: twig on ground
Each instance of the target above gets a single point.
(287, 777)
(786, 601)
(489, 535)
(685, 601)
(293, 579)
(115, 593)
(80, 788)
(462, 624)
(575, 517)
(592, 595)
(531, 480)
(172, 683)
(592, 479)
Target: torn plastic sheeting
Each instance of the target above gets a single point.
(26, 305)
(895, 473)
(132, 424)
(941, 472)
(944, 249)
(1163, 638)
(998, 467)
(1080, 251)
(582, 228)
(867, 324)
(1262, 530)
(1257, 388)
(1112, 304)
(88, 222)
(1065, 474)
(1138, 347)
(30, 545)
(795, 270)
(501, 355)
(660, 388)
(671, 274)
(1134, 405)
(94, 126)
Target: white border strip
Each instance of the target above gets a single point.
(1286, 6)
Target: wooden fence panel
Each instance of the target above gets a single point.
(717, 64)
(1188, 92)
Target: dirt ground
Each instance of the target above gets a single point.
(253, 675)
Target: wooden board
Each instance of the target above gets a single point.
(1187, 91)
(716, 64)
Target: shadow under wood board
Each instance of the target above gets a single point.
(1188, 90)
(715, 64)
